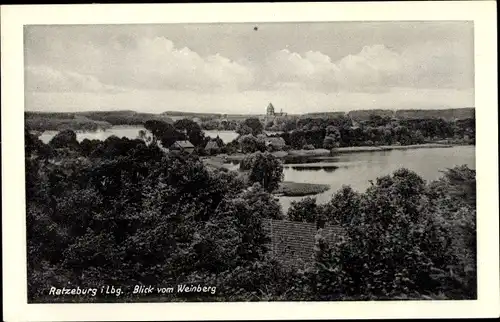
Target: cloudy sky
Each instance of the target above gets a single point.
(233, 68)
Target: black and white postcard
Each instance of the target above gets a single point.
(328, 160)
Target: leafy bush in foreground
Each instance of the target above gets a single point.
(400, 242)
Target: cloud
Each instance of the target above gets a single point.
(375, 68)
(47, 79)
(439, 64)
(147, 63)
(290, 69)
(372, 68)
(155, 63)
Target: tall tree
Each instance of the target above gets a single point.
(250, 144)
(193, 131)
(265, 169)
(164, 132)
(65, 139)
(251, 124)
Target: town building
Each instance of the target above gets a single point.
(185, 146)
(212, 147)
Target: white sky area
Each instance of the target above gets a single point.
(232, 68)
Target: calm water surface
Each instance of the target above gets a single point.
(225, 136)
(357, 169)
(130, 132)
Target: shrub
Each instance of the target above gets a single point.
(65, 139)
(329, 142)
(343, 206)
(250, 144)
(304, 210)
(144, 217)
(397, 242)
(333, 152)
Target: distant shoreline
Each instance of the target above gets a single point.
(324, 153)
(354, 149)
(319, 155)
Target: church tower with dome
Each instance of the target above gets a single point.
(270, 110)
(271, 115)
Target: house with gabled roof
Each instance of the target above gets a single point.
(212, 147)
(185, 146)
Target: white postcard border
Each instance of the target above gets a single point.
(483, 13)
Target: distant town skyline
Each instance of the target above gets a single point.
(239, 69)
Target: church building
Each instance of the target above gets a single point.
(272, 116)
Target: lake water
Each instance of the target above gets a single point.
(225, 136)
(356, 169)
(130, 132)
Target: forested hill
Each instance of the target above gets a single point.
(92, 120)
(364, 115)
(355, 115)
(447, 114)
(126, 117)
(209, 116)
(192, 114)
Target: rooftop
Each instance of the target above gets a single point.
(212, 145)
(293, 242)
(183, 144)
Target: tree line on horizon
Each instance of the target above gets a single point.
(95, 120)
(331, 133)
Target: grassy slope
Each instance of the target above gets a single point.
(299, 189)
